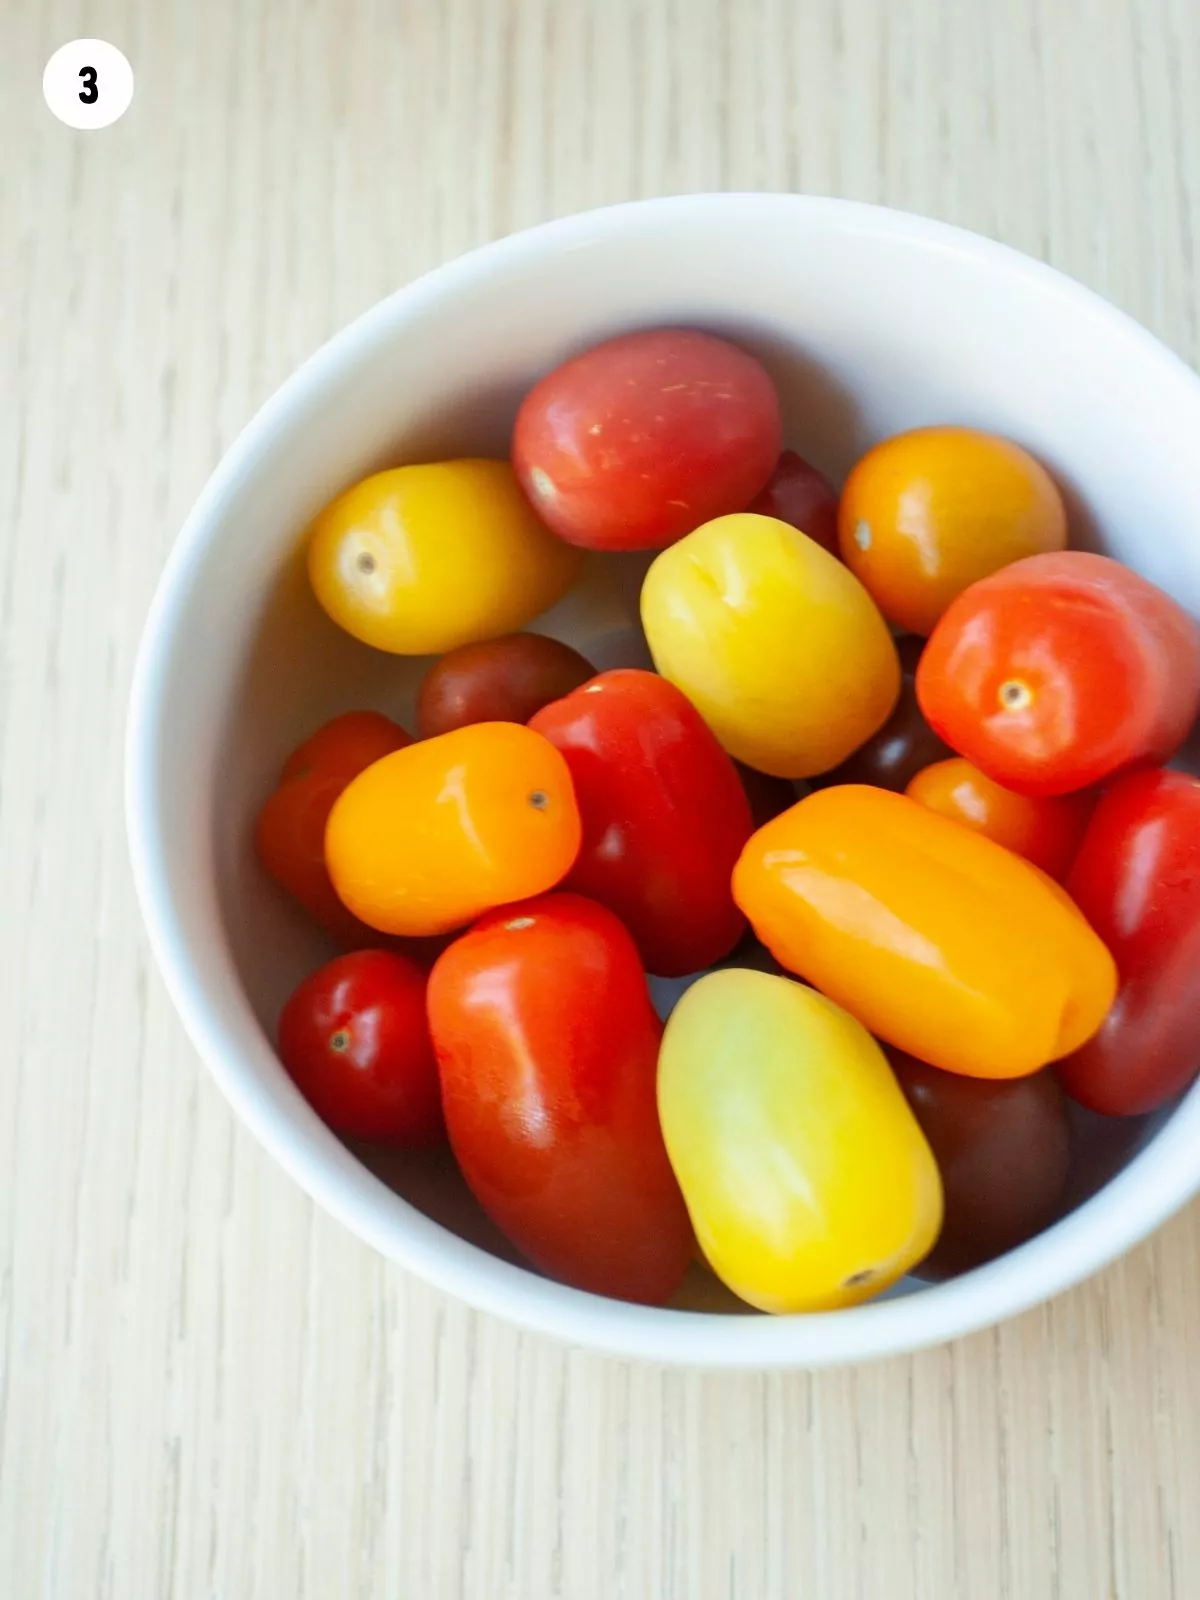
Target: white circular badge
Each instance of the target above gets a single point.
(88, 83)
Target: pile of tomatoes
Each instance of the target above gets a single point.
(894, 800)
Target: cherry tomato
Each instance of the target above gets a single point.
(800, 495)
(935, 938)
(927, 513)
(808, 1181)
(429, 838)
(355, 1040)
(498, 680)
(1061, 671)
(664, 816)
(1044, 831)
(290, 832)
(641, 439)
(547, 1046)
(776, 644)
(423, 559)
(1003, 1151)
(891, 758)
(1137, 880)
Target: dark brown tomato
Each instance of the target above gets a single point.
(1002, 1147)
(498, 680)
(800, 495)
(905, 745)
(768, 796)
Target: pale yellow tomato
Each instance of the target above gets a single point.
(423, 559)
(777, 645)
(808, 1180)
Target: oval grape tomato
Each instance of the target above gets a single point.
(936, 939)
(775, 643)
(641, 439)
(431, 837)
(664, 816)
(422, 559)
(808, 1181)
(547, 1046)
(1137, 880)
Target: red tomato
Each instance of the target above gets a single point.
(1137, 881)
(1045, 830)
(1002, 1148)
(290, 832)
(664, 816)
(800, 495)
(1061, 670)
(547, 1046)
(355, 1039)
(498, 680)
(641, 439)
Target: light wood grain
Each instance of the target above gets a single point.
(207, 1388)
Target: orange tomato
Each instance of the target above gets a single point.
(290, 832)
(432, 836)
(939, 941)
(928, 513)
(1046, 831)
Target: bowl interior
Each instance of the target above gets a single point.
(869, 323)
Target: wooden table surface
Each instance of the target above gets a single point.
(209, 1389)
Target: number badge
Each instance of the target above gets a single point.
(88, 83)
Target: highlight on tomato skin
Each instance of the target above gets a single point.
(547, 1047)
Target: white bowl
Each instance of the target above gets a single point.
(871, 322)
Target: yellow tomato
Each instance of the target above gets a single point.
(470, 820)
(774, 641)
(938, 940)
(808, 1181)
(928, 513)
(423, 559)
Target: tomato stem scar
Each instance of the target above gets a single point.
(366, 562)
(539, 800)
(1015, 695)
(340, 1041)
